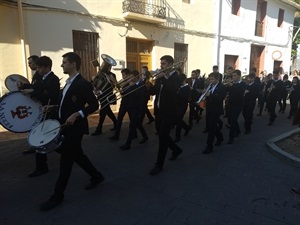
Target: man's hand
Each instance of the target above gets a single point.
(71, 119)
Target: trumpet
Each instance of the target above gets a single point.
(202, 97)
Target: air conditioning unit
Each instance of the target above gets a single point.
(120, 64)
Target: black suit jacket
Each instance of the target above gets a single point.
(195, 89)
(166, 92)
(214, 102)
(43, 90)
(79, 96)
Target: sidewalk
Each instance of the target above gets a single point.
(238, 184)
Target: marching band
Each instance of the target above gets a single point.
(56, 119)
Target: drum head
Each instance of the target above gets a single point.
(44, 133)
(19, 113)
(12, 80)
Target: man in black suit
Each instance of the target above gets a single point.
(251, 94)
(45, 90)
(236, 90)
(106, 98)
(214, 109)
(36, 78)
(275, 89)
(77, 102)
(135, 108)
(196, 87)
(166, 87)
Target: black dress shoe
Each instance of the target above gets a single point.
(177, 140)
(219, 142)
(96, 133)
(50, 203)
(93, 183)
(29, 151)
(155, 170)
(237, 134)
(270, 123)
(143, 140)
(205, 131)
(38, 172)
(230, 141)
(114, 138)
(112, 129)
(125, 147)
(187, 131)
(295, 190)
(175, 154)
(220, 124)
(207, 150)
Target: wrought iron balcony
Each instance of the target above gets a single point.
(151, 10)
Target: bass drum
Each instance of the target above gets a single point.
(11, 82)
(19, 113)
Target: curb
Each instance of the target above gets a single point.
(279, 153)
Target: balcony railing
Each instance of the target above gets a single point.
(154, 8)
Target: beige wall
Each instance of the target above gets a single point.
(49, 32)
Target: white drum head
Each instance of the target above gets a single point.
(44, 133)
(19, 113)
(12, 80)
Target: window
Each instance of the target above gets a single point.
(236, 4)
(186, 1)
(181, 54)
(280, 17)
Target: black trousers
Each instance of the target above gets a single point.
(105, 111)
(234, 113)
(180, 124)
(135, 123)
(41, 161)
(271, 107)
(248, 109)
(122, 111)
(164, 125)
(71, 151)
(213, 129)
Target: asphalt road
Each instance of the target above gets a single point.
(238, 184)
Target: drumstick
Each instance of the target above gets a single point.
(62, 126)
(45, 114)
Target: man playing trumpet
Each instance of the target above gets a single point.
(214, 96)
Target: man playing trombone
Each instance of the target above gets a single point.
(166, 87)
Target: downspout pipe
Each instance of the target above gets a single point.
(22, 38)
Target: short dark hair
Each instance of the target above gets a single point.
(44, 61)
(73, 57)
(215, 67)
(198, 71)
(238, 72)
(215, 75)
(285, 76)
(230, 68)
(252, 75)
(145, 67)
(126, 71)
(182, 77)
(135, 73)
(169, 59)
(34, 58)
(276, 72)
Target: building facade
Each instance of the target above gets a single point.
(239, 33)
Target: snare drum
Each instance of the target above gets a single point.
(11, 82)
(19, 113)
(46, 137)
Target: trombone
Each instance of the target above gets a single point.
(119, 94)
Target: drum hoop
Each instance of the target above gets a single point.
(8, 128)
(16, 76)
(48, 120)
